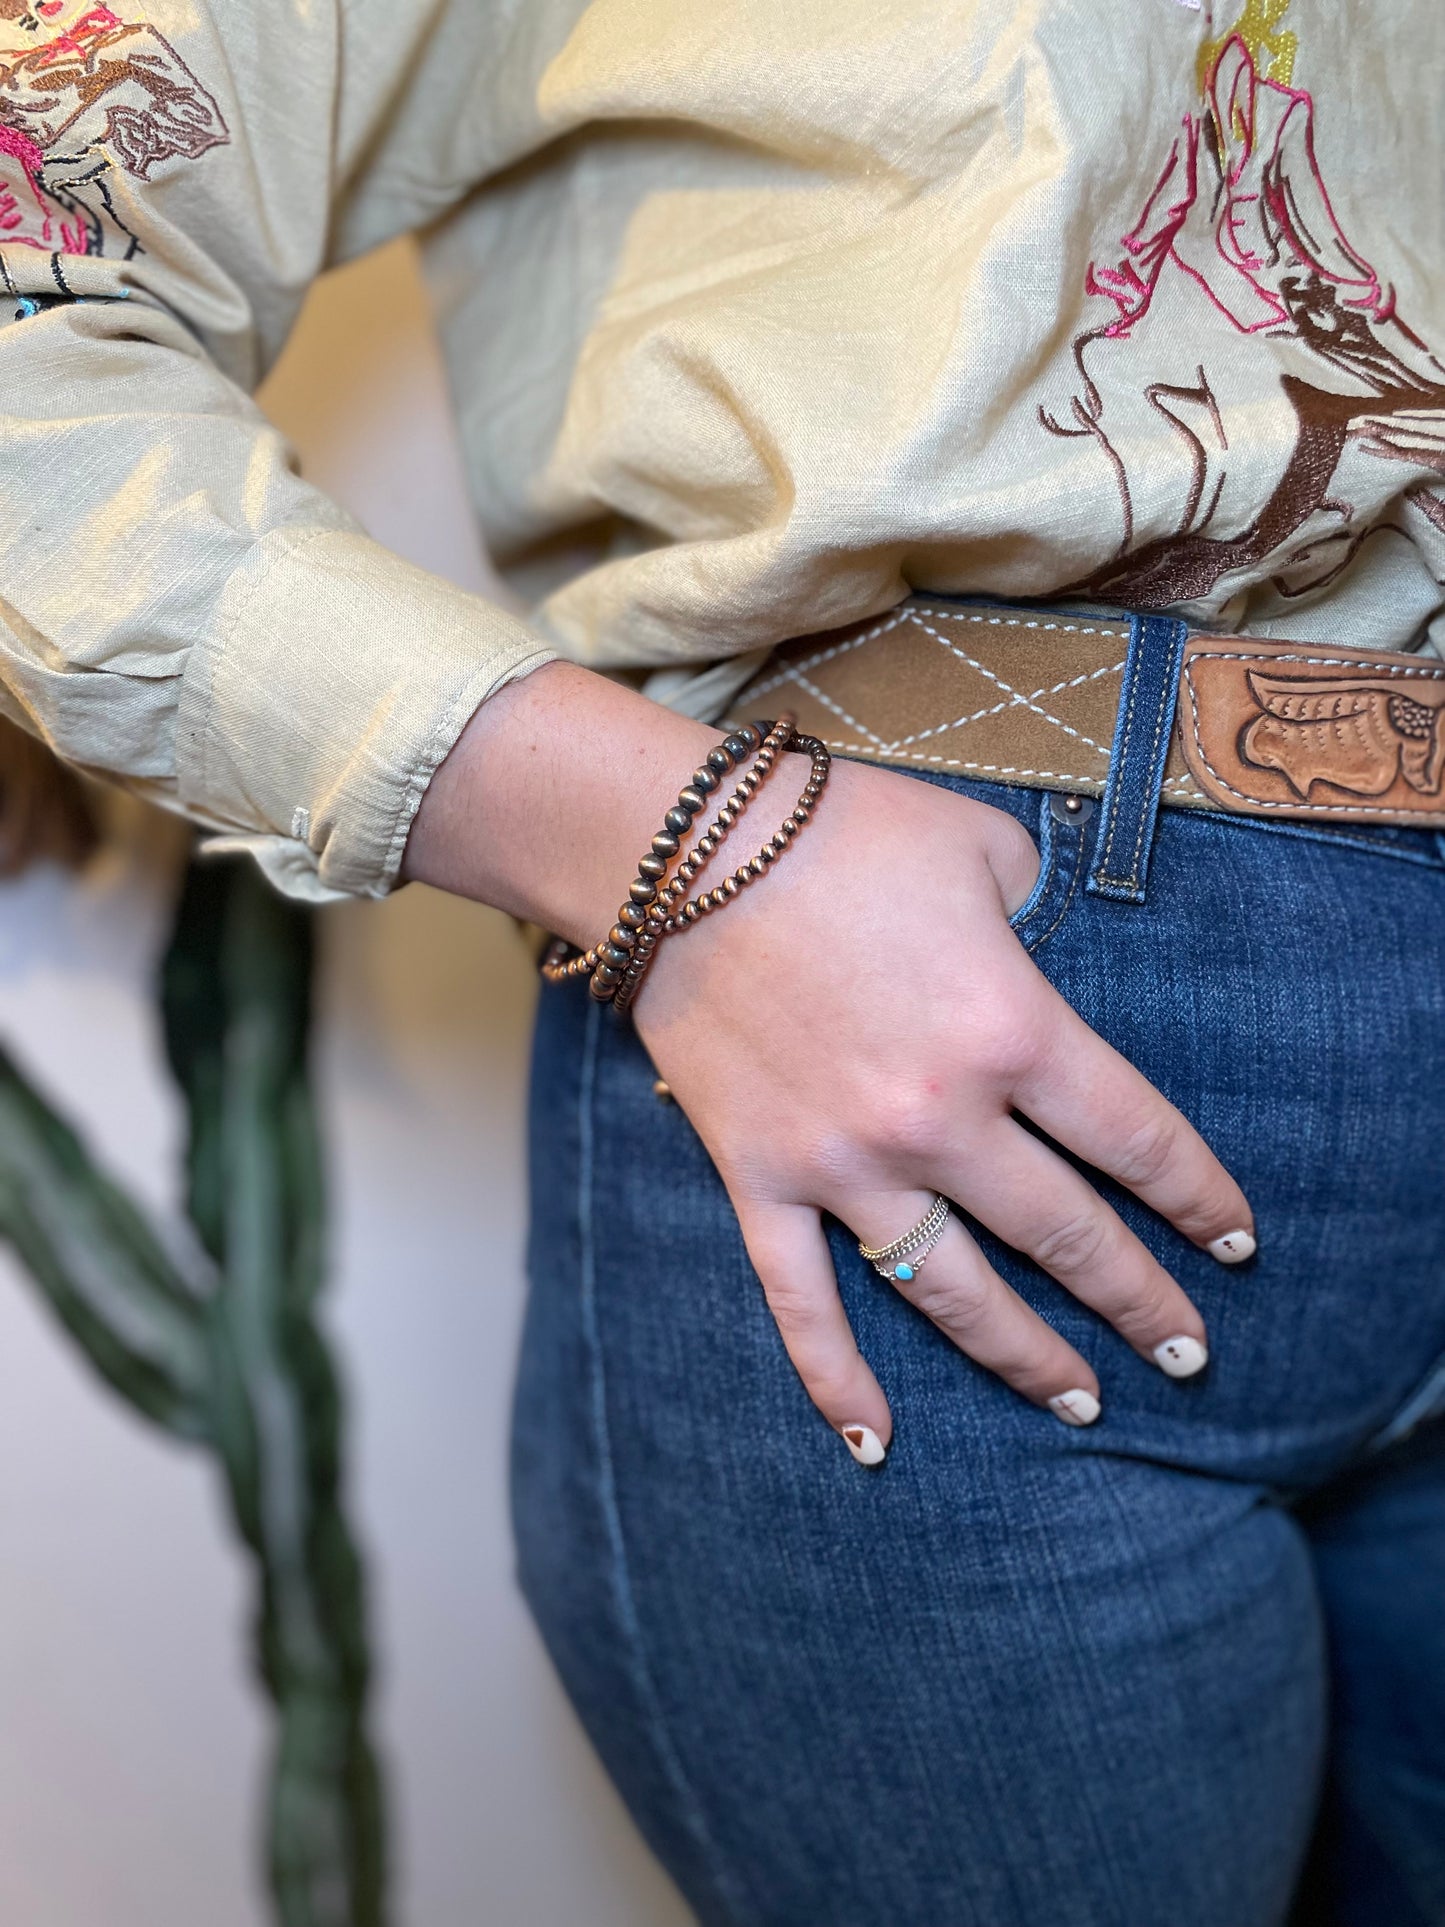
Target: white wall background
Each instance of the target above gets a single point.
(131, 1741)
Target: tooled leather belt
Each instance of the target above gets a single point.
(1031, 696)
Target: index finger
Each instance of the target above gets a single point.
(1097, 1105)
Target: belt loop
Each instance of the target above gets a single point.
(1142, 734)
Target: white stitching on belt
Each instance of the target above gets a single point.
(1315, 662)
(818, 696)
(957, 762)
(827, 655)
(1016, 622)
(982, 715)
(999, 683)
(909, 613)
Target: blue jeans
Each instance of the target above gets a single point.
(1183, 1669)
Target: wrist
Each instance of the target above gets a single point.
(551, 793)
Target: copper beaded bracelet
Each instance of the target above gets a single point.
(606, 962)
(670, 914)
(654, 908)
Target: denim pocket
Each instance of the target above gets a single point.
(1056, 822)
(1061, 822)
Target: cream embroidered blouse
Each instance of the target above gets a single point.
(758, 314)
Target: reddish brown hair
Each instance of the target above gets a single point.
(44, 811)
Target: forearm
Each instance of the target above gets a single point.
(553, 790)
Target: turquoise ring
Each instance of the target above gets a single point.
(901, 1260)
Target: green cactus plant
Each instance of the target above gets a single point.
(213, 1336)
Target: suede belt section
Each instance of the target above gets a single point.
(1033, 696)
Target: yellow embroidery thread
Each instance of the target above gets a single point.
(1256, 27)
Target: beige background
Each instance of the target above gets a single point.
(131, 1746)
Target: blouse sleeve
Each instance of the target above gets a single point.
(179, 610)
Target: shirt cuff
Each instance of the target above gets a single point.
(337, 682)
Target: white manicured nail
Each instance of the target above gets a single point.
(1075, 1408)
(1233, 1248)
(1181, 1357)
(864, 1443)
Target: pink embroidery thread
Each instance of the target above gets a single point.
(1241, 210)
(100, 96)
(1254, 122)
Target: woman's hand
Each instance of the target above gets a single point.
(857, 1033)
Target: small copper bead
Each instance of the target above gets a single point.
(703, 779)
(788, 827)
(633, 915)
(598, 989)
(642, 890)
(652, 866)
(615, 955)
(665, 844)
(758, 864)
(730, 886)
(690, 913)
(719, 760)
(691, 799)
(767, 854)
(802, 811)
(620, 935)
(739, 745)
(678, 819)
(605, 974)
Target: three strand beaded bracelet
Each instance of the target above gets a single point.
(657, 904)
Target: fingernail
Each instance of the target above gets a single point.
(1233, 1248)
(1181, 1357)
(1075, 1408)
(864, 1443)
